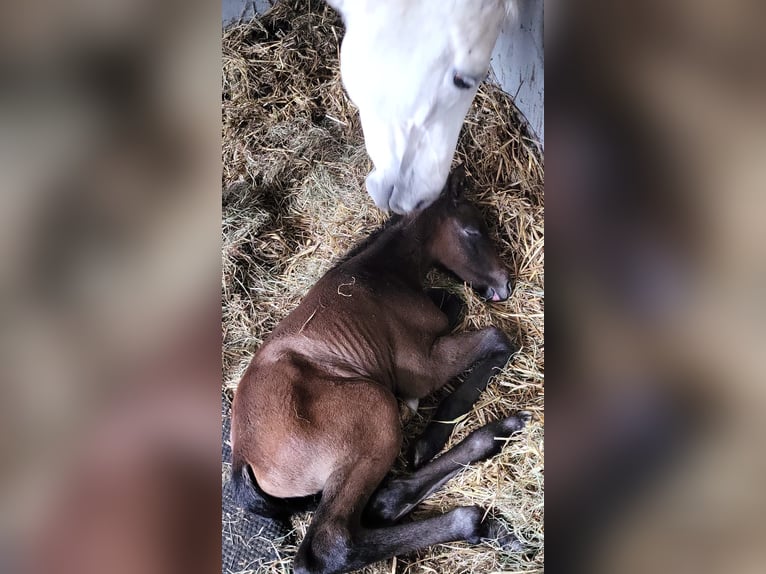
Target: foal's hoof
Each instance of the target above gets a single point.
(517, 422)
(496, 532)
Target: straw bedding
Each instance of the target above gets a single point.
(294, 202)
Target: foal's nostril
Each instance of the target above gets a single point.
(509, 287)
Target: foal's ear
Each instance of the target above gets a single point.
(456, 183)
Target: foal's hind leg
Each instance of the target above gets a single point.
(487, 350)
(399, 496)
(336, 542)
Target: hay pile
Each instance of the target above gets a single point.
(294, 202)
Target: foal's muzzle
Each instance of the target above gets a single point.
(498, 293)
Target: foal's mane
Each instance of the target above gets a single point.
(366, 242)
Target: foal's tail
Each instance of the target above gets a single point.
(248, 495)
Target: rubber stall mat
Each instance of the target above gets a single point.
(247, 540)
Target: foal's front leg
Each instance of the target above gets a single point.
(399, 496)
(448, 303)
(487, 350)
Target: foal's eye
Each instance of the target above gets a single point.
(462, 82)
(471, 231)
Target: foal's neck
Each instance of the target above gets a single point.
(402, 250)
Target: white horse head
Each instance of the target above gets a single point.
(412, 67)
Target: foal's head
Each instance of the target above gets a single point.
(461, 242)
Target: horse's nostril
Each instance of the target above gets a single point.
(509, 287)
(420, 205)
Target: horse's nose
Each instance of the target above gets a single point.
(405, 200)
(401, 203)
(380, 191)
(403, 207)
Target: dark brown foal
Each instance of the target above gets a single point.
(315, 417)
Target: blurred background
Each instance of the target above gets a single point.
(110, 150)
(655, 179)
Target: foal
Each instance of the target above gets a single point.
(316, 410)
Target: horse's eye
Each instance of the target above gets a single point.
(461, 82)
(471, 231)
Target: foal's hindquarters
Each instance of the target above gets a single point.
(309, 427)
(308, 440)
